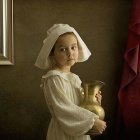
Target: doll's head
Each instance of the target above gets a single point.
(64, 54)
(65, 39)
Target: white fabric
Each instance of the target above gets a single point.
(43, 61)
(63, 95)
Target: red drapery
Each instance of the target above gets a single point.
(129, 92)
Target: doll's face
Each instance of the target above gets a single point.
(66, 50)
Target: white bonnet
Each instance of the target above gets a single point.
(43, 61)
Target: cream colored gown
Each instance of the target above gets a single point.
(63, 95)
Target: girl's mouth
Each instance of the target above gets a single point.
(71, 59)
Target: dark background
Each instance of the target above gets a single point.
(103, 25)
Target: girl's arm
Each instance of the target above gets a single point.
(73, 119)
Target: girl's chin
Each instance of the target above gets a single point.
(71, 63)
(68, 63)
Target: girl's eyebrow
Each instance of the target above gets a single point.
(66, 46)
(74, 44)
(61, 46)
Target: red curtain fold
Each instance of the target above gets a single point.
(129, 92)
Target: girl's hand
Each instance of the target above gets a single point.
(98, 127)
(99, 97)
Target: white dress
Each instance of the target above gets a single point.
(63, 95)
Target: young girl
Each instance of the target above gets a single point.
(62, 48)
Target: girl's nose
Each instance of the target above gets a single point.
(69, 53)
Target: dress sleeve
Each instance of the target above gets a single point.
(73, 119)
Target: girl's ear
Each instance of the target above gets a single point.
(52, 51)
(52, 61)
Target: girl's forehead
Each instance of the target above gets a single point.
(67, 35)
(66, 39)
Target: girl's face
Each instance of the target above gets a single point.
(65, 51)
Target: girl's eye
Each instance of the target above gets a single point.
(62, 49)
(74, 47)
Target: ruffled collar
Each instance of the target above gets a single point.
(67, 76)
(71, 77)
